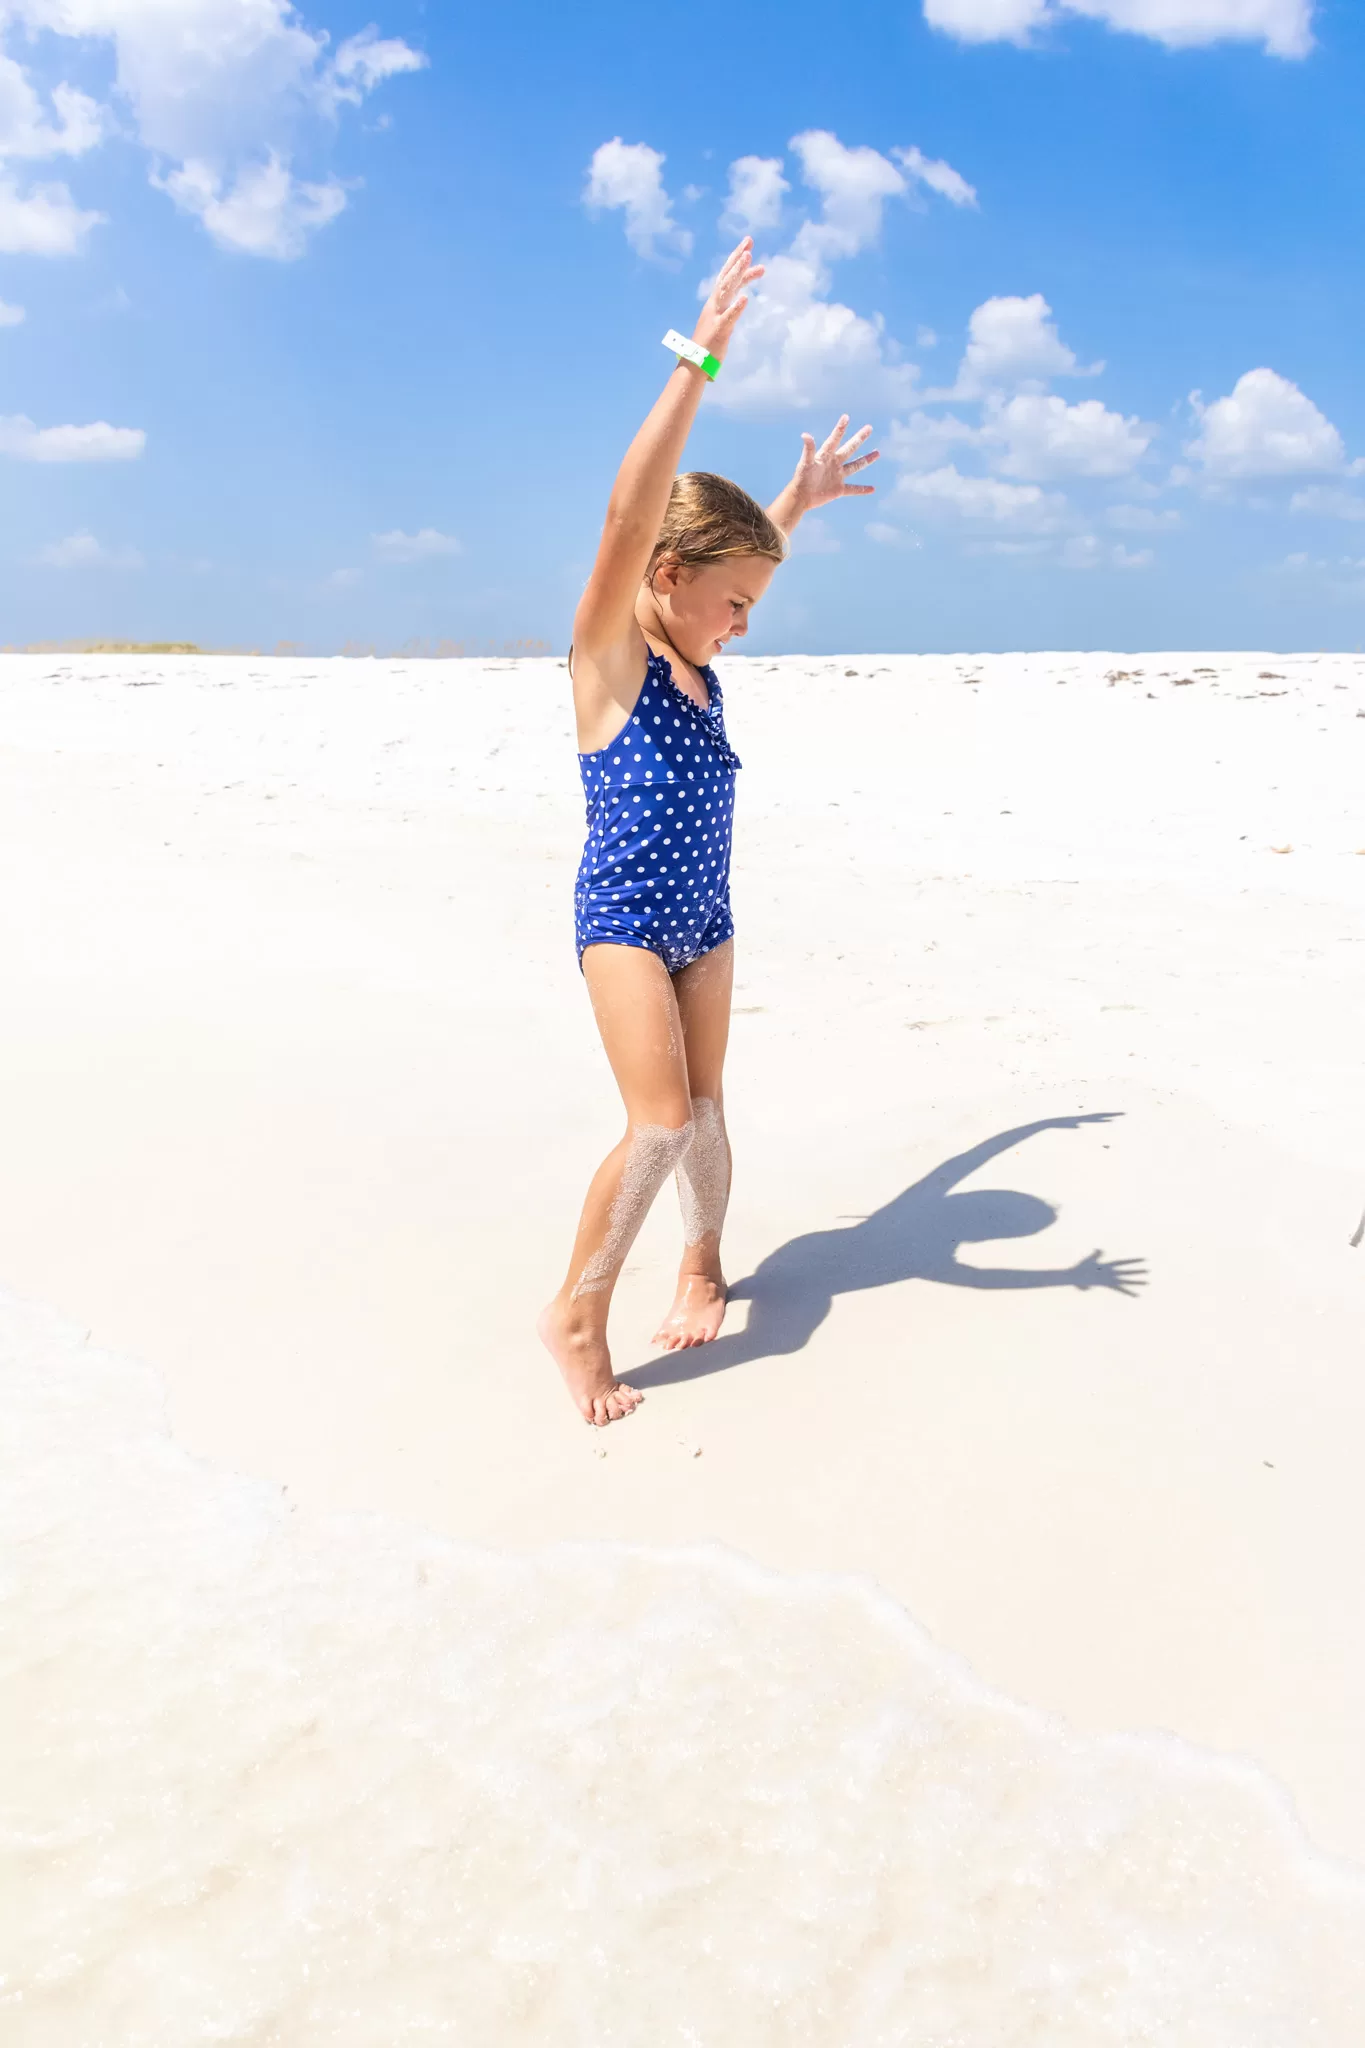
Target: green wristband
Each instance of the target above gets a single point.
(692, 352)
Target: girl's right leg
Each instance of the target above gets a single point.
(637, 1015)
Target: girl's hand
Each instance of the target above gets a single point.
(729, 297)
(822, 473)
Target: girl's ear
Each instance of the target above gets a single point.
(667, 571)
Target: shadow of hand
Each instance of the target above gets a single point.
(1122, 1276)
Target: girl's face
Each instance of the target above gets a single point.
(704, 608)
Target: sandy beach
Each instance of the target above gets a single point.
(1047, 1103)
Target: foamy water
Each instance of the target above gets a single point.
(277, 1781)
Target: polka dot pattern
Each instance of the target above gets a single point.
(655, 870)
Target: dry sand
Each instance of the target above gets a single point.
(300, 1091)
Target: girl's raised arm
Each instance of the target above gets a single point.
(604, 624)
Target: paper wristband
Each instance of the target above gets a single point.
(692, 352)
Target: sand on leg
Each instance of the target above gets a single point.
(637, 1015)
(703, 992)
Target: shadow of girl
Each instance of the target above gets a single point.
(915, 1236)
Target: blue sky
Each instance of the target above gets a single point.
(322, 340)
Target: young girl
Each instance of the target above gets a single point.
(682, 563)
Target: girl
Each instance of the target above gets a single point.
(682, 563)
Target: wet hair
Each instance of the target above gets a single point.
(709, 519)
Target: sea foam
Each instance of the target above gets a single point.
(271, 1780)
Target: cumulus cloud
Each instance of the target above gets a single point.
(984, 500)
(219, 92)
(98, 442)
(1343, 576)
(83, 551)
(922, 440)
(854, 186)
(628, 176)
(755, 198)
(1283, 27)
(1039, 435)
(422, 546)
(365, 61)
(1265, 426)
(1013, 344)
(796, 346)
(267, 211)
(1328, 501)
(44, 221)
(939, 176)
(76, 122)
(11, 316)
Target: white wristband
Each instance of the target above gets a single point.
(692, 352)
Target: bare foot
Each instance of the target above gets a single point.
(696, 1315)
(582, 1356)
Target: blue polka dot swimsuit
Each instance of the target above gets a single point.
(655, 870)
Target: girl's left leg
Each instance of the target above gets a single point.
(703, 990)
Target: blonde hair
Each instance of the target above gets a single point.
(710, 519)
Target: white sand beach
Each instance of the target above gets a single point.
(1051, 976)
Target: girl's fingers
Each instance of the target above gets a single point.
(861, 462)
(855, 440)
(859, 490)
(732, 280)
(831, 440)
(735, 262)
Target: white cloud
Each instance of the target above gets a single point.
(984, 499)
(365, 61)
(1328, 501)
(218, 91)
(1084, 551)
(1042, 436)
(98, 442)
(83, 551)
(1343, 576)
(925, 337)
(1013, 343)
(343, 579)
(628, 176)
(25, 128)
(1265, 426)
(854, 186)
(1141, 518)
(267, 212)
(414, 547)
(1283, 26)
(925, 438)
(885, 536)
(796, 347)
(755, 200)
(44, 221)
(938, 176)
(11, 316)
